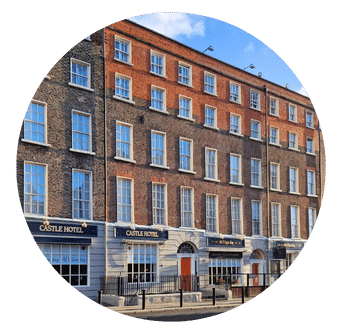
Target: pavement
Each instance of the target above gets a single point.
(190, 307)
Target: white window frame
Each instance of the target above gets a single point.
(209, 216)
(183, 211)
(259, 185)
(131, 206)
(43, 143)
(294, 108)
(118, 96)
(191, 165)
(214, 126)
(207, 74)
(220, 267)
(236, 132)
(182, 97)
(215, 179)
(83, 63)
(163, 101)
(314, 190)
(129, 55)
(253, 101)
(258, 138)
(189, 67)
(233, 97)
(154, 207)
(31, 193)
(312, 140)
(50, 252)
(295, 234)
(84, 114)
(90, 193)
(277, 165)
(259, 219)
(294, 191)
(313, 214)
(277, 143)
(117, 156)
(163, 66)
(278, 222)
(152, 164)
(138, 251)
(239, 170)
(276, 107)
(311, 123)
(237, 230)
(295, 148)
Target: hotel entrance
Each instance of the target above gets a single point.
(187, 265)
(258, 264)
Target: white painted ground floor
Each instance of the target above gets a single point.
(84, 253)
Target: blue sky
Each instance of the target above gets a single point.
(231, 44)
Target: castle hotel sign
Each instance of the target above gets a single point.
(140, 233)
(62, 229)
(56, 233)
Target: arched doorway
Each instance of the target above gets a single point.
(257, 267)
(187, 264)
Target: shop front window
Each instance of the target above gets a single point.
(70, 261)
(142, 263)
(224, 271)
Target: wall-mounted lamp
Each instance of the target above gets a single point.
(210, 48)
(250, 65)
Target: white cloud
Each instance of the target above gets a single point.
(302, 91)
(249, 48)
(173, 24)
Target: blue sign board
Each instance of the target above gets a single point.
(58, 229)
(140, 233)
(225, 242)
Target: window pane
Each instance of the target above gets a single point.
(81, 195)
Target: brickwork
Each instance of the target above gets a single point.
(60, 99)
(106, 110)
(143, 120)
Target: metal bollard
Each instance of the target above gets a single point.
(247, 288)
(214, 296)
(99, 297)
(243, 294)
(181, 297)
(143, 299)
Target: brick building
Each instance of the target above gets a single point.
(227, 163)
(194, 166)
(60, 169)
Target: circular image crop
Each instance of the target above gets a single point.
(170, 166)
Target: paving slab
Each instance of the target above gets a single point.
(166, 307)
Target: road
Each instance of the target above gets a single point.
(181, 315)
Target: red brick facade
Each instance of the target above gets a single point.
(143, 120)
(220, 137)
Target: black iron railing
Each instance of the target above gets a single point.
(244, 279)
(123, 286)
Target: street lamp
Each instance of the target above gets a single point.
(250, 65)
(210, 48)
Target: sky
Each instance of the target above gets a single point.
(231, 44)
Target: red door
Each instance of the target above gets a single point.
(186, 273)
(255, 270)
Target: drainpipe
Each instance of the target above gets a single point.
(105, 156)
(267, 187)
(320, 166)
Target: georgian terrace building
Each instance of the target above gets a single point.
(164, 160)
